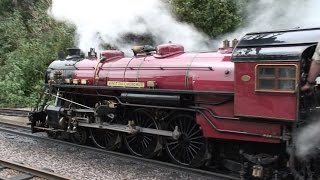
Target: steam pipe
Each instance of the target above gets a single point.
(213, 115)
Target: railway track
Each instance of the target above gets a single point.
(14, 112)
(26, 172)
(22, 131)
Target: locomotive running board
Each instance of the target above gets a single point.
(167, 91)
(133, 129)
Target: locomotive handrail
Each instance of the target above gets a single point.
(153, 68)
(85, 68)
(276, 45)
(137, 68)
(62, 69)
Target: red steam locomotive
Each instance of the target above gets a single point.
(236, 109)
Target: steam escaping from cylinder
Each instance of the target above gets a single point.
(308, 140)
(107, 21)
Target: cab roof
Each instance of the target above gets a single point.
(283, 45)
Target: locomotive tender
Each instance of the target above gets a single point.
(235, 109)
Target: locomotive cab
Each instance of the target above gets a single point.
(269, 69)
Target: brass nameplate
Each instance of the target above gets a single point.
(125, 84)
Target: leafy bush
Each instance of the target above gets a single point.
(28, 43)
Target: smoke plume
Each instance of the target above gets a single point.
(107, 21)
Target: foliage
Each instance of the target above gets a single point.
(28, 43)
(213, 17)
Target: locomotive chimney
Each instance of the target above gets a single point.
(73, 52)
(92, 53)
(226, 43)
(234, 43)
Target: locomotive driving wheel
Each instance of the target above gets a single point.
(52, 134)
(105, 139)
(189, 149)
(79, 137)
(142, 144)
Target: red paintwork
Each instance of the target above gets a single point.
(172, 76)
(165, 50)
(234, 125)
(211, 71)
(112, 54)
(261, 104)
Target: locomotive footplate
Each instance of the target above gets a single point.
(133, 129)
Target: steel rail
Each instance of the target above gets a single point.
(27, 170)
(14, 112)
(156, 163)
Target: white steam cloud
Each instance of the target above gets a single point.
(308, 141)
(107, 21)
(268, 15)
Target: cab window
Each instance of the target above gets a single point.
(276, 78)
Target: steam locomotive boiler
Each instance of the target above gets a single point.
(235, 109)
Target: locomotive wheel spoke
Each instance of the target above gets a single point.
(140, 144)
(105, 139)
(189, 148)
(79, 137)
(191, 130)
(175, 142)
(195, 133)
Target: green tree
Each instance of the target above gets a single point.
(29, 41)
(213, 17)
